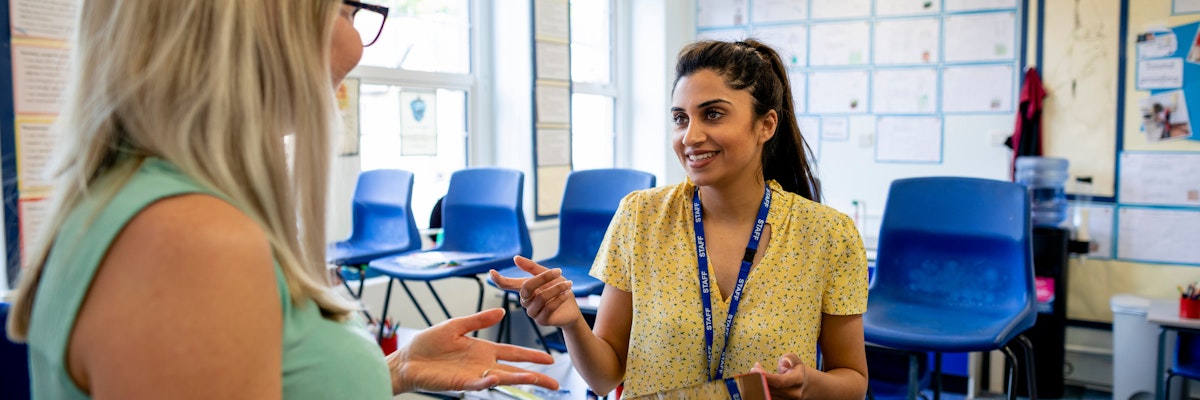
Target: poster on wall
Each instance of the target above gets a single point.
(43, 19)
(347, 103)
(418, 123)
(1185, 7)
(1165, 117)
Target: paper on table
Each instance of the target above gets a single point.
(434, 259)
(1160, 178)
(1162, 235)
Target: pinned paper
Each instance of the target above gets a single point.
(1156, 45)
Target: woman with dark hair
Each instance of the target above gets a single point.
(800, 282)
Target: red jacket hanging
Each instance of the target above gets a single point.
(1027, 137)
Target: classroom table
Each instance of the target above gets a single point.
(1165, 314)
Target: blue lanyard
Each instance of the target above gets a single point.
(705, 290)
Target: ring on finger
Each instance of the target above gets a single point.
(486, 372)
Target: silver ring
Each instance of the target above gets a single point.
(486, 372)
(525, 301)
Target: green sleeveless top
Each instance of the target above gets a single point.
(322, 359)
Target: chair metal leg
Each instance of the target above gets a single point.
(937, 376)
(1167, 386)
(414, 301)
(357, 295)
(478, 303)
(1011, 373)
(914, 384)
(503, 321)
(1030, 372)
(386, 300)
(438, 299)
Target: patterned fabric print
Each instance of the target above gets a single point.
(813, 264)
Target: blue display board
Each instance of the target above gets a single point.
(1188, 50)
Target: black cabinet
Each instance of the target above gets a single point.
(1049, 333)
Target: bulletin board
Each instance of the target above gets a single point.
(552, 104)
(890, 89)
(32, 79)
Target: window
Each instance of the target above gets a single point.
(593, 114)
(416, 95)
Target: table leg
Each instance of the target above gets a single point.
(1159, 393)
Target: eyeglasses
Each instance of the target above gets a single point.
(368, 25)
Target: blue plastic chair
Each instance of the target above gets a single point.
(954, 272)
(483, 217)
(14, 364)
(590, 199)
(382, 225)
(1187, 360)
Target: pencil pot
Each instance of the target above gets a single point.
(388, 344)
(1045, 177)
(1189, 308)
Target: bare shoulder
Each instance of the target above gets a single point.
(190, 266)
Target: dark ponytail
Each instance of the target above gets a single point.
(754, 66)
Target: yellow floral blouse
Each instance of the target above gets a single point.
(813, 264)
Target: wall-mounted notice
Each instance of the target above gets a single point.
(46, 19)
(838, 92)
(1158, 235)
(810, 128)
(1185, 7)
(33, 215)
(986, 88)
(553, 104)
(981, 37)
(551, 19)
(39, 78)
(719, 12)
(726, 35)
(1100, 221)
(905, 91)
(835, 129)
(906, 7)
(790, 41)
(418, 123)
(798, 82)
(840, 43)
(553, 147)
(551, 181)
(837, 9)
(35, 147)
(1163, 73)
(908, 139)
(347, 103)
(780, 10)
(907, 41)
(975, 5)
(553, 61)
(1160, 178)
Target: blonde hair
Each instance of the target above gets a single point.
(211, 86)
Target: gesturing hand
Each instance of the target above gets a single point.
(443, 358)
(788, 381)
(546, 296)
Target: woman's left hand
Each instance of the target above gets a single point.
(788, 380)
(443, 358)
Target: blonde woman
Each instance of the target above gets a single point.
(185, 258)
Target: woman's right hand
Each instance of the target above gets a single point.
(546, 296)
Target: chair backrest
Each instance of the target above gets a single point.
(957, 242)
(1187, 355)
(590, 200)
(382, 210)
(14, 364)
(483, 212)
